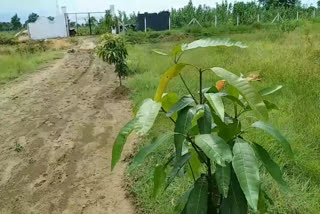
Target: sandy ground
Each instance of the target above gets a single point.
(57, 130)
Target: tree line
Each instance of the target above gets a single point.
(16, 24)
(224, 13)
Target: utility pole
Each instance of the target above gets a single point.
(89, 24)
(145, 23)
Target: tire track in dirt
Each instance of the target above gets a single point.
(64, 120)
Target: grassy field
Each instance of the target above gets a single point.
(280, 58)
(17, 59)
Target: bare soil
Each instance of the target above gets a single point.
(57, 130)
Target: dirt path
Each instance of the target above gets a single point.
(57, 130)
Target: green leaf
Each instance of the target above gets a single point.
(270, 106)
(236, 202)
(223, 175)
(120, 141)
(159, 52)
(262, 207)
(274, 133)
(147, 150)
(231, 98)
(270, 90)
(197, 116)
(183, 200)
(203, 43)
(216, 103)
(169, 75)
(181, 104)
(205, 122)
(229, 129)
(146, 116)
(215, 148)
(248, 92)
(270, 165)
(177, 166)
(246, 168)
(233, 91)
(168, 101)
(183, 125)
(176, 50)
(198, 198)
(195, 164)
(159, 179)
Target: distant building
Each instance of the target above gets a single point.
(44, 28)
(154, 21)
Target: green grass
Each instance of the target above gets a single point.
(14, 64)
(289, 59)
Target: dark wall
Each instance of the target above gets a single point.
(155, 21)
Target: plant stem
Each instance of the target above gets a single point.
(235, 111)
(194, 179)
(169, 117)
(210, 187)
(185, 84)
(200, 86)
(120, 80)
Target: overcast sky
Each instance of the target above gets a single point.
(48, 7)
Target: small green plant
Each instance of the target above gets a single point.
(209, 138)
(112, 49)
(18, 147)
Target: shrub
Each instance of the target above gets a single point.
(112, 49)
(6, 39)
(210, 140)
(31, 47)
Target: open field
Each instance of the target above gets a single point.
(279, 58)
(20, 58)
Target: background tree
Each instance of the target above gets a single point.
(51, 18)
(15, 22)
(31, 18)
(93, 21)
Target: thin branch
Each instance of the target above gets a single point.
(169, 117)
(235, 111)
(194, 179)
(185, 84)
(179, 57)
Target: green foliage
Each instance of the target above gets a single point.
(287, 60)
(7, 39)
(31, 18)
(120, 141)
(15, 22)
(31, 47)
(17, 59)
(232, 177)
(112, 49)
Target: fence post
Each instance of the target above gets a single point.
(169, 22)
(314, 13)
(90, 24)
(215, 21)
(77, 22)
(145, 24)
(297, 15)
(237, 20)
(258, 18)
